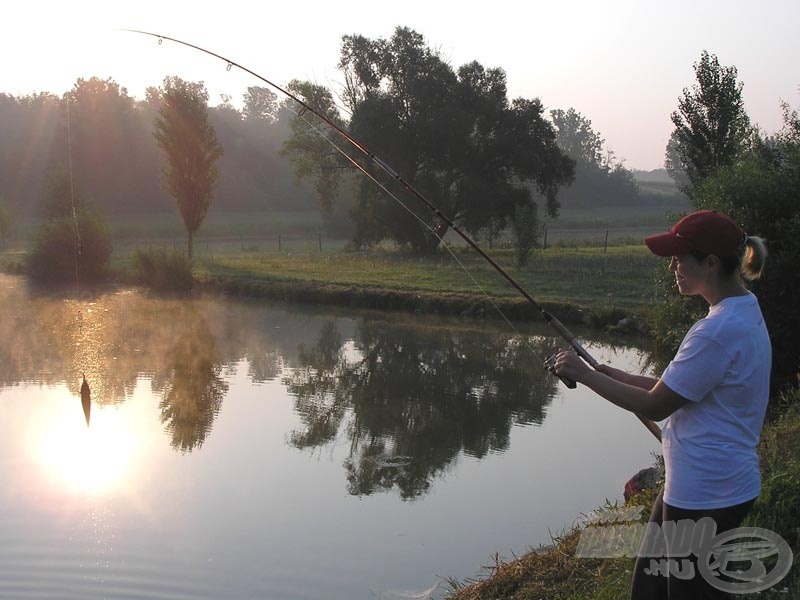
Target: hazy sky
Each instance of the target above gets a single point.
(622, 64)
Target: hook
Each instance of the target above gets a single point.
(160, 41)
(230, 65)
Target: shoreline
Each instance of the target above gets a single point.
(452, 304)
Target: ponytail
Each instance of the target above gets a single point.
(755, 256)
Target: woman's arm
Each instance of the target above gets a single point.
(641, 381)
(656, 402)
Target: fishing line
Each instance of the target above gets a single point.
(85, 391)
(78, 245)
(565, 333)
(425, 224)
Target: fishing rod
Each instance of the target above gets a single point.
(563, 331)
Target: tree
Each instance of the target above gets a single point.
(260, 103)
(453, 135)
(111, 146)
(711, 125)
(673, 163)
(760, 190)
(575, 136)
(30, 145)
(312, 146)
(599, 179)
(69, 244)
(525, 227)
(189, 143)
(6, 220)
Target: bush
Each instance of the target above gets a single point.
(162, 270)
(56, 250)
(760, 191)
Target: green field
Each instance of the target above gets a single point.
(585, 276)
(593, 258)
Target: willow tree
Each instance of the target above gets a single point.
(189, 143)
(453, 133)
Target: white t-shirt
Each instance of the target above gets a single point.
(722, 367)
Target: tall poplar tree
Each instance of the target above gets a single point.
(711, 125)
(189, 143)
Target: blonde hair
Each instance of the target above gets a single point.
(755, 255)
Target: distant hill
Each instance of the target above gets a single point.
(654, 176)
(656, 187)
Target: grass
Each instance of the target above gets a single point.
(557, 574)
(260, 252)
(586, 276)
(564, 278)
(614, 217)
(161, 269)
(217, 224)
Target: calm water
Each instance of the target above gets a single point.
(249, 450)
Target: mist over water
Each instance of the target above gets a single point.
(244, 449)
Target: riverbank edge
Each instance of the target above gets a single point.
(435, 303)
(556, 573)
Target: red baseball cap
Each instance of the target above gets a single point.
(706, 231)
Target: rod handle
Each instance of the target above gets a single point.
(550, 365)
(570, 338)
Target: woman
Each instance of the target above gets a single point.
(713, 394)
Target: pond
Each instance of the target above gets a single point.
(243, 449)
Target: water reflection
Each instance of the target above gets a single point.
(190, 385)
(89, 460)
(406, 399)
(410, 400)
(86, 400)
(111, 340)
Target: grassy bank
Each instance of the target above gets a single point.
(557, 574)
(584, 278)
(577, 283)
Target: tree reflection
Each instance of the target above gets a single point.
(407, 399)
(411, 400)
(114, 338)
(193, 390)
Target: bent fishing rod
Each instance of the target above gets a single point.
(563, 331)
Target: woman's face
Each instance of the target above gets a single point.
(691, 274)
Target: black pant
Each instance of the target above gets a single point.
(658, 587)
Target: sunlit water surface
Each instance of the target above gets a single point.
(249, 450)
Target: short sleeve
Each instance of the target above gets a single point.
(698, 367)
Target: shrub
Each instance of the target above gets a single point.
(760, 191)
(162, 270)
(57, 253)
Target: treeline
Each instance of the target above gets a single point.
(726, 163)
(108, 137)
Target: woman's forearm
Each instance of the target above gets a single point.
(655, 404)
(640, 381)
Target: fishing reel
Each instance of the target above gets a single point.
(550, 365)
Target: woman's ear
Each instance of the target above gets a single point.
(713, 262)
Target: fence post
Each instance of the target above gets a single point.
(605, 244)
(320, 241)
(279, 242)
(544, 244)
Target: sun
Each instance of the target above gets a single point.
(93, 460)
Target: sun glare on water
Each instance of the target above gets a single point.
(94, 460)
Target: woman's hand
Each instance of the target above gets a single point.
(570, 366)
